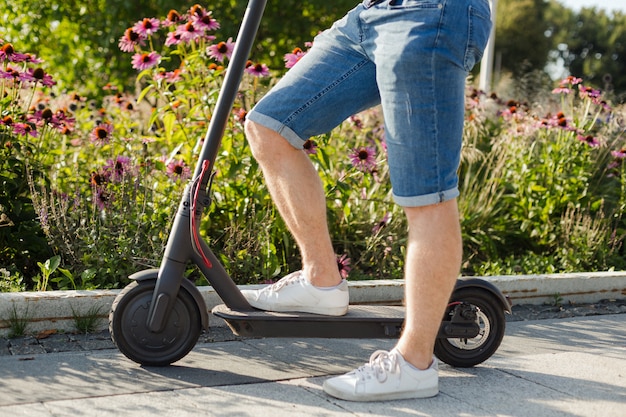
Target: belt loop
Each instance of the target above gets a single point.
(370, 3)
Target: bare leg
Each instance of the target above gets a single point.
(298, 193)
(433, 263)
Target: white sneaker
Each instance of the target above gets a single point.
(295, 293)
(387, 376)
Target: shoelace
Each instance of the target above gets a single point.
(288, 280)
(381, 363)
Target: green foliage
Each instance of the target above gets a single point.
(80, 37)
(18, 321)
(87, 322)
(543, 186)
(543, 194)
(520, 35)
(591, 43)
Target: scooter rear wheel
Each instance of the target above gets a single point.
(130, 333)
(468, 352)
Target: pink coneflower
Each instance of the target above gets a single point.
(188, 32)
(24, 129)
(169, 76)
(222, 50)
(566, 84)
(130, 40)
(203, 20)
(147, 26)
(11, 74)
(588, 92)
(46, 116)
(621, 154)
(8, 53)
(589, 140)
(172, 18)
(173, 38)
(382, 223)
(101, 134)
(178, 170)
(562, 90)
(103, 198)
(257, 70)
(38, 75)
(145, 60)
(118, 168)
(364, 158)
(292, 58)
(343, 263)
(310, 147)
(6, 121)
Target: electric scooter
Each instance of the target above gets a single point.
(157, 319)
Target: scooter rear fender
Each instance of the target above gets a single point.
(485, 285)
(149, 274)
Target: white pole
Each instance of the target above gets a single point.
(486, 65)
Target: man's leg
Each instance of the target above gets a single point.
(298, 193)
(433, 263)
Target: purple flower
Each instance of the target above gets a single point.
(343, 263)
(310, 147)
(145, 60)
(292, 58)
(257, 70)
(38, 75)
(118, 168)
(173, 38)
(178, 170)
(202, 19)
(130, 40)
(589, 140)
(188, 32)
(101, 134)
(621, 154)
(222, 50)
(103, 198)
(8, 53)
(147, 26)
(24, 129)
(172, 18)
(364, 158)
(382, 223)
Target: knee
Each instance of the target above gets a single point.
(253, 135)
(264, 142)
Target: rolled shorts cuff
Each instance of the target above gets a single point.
(273, 124)
(427, 199)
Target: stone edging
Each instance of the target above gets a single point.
(54, 310)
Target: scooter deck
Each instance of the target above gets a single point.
(361, 321)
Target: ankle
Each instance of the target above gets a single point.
(322, 279)
(416, 359)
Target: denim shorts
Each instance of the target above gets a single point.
(410, 56)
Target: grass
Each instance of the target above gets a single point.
(87, 322)
(18, 321)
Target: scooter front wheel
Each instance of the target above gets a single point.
(129, 329)
(468, 352)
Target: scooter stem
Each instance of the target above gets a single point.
(230, 87)
(179, 249)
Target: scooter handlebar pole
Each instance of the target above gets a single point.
(230, 87)
(179, 248)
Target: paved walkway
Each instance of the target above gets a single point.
(562, 367)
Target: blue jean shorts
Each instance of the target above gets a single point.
(410, 56)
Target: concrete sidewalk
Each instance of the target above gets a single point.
(55, 310)
(565, 367)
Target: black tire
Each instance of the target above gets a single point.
(465, 353)
(129, 331)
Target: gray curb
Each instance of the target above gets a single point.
(55, 310)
